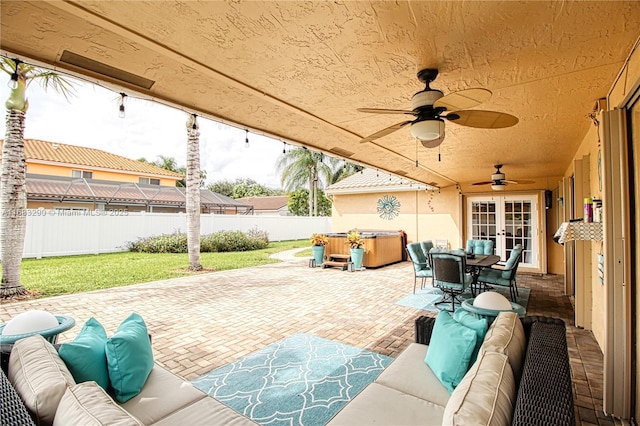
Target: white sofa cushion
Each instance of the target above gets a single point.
(206, 411)
(409, 374)
(485, 396)
(39, 376)
(162, 394)
(381, 405)
(88, 404)
(506, 336)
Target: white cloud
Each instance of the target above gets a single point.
(149, 129)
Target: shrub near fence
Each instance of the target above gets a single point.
(223, 241)
(64, 235)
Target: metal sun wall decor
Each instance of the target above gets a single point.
(388, 207)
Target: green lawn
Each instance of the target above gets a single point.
(54, 276)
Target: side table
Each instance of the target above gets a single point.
(491, 314)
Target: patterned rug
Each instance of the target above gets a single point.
(300, 380)
(425, 298)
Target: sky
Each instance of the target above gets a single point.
(149, 129)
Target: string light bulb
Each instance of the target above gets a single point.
(121, 112)
(246, 138)
(13, 82)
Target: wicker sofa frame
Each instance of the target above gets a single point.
(545, 394)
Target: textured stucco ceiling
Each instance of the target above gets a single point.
(298, 70)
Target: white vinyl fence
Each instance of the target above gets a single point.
(63, 233)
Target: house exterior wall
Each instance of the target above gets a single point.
(118, 176)
(423, 215)
(589, 147)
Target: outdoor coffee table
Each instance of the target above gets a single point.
(475, 264)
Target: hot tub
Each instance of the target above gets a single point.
(381, 247)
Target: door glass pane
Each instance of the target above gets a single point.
(483, 220)
(518, 228)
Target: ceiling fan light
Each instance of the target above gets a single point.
(433, 143)
(498, 186)
(428, 130)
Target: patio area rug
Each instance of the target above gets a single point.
(425, 298)
(300, 380)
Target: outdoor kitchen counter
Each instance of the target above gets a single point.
(381, 247)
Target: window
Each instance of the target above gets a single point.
(84, 174)
(148, 181)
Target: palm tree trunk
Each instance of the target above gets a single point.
(315, 192)
(13, 204)
(193, 197)
(310, 194)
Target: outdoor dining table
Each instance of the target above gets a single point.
(475, 264)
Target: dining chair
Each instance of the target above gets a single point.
(449, 274)
(426, 246)
(421, 268)
(506, 275)
(479, 247)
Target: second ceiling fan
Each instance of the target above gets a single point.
(431, 107)
(499, 181)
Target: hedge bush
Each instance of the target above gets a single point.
(223, 241)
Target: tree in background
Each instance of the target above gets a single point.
(222, 187)
(170, 163)
(13, 197)
(343, 169)
(251, 188)
(300, 167)
(242, 188)
(299, 203)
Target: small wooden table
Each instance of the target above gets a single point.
(475, 265)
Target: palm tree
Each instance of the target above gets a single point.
(193, 193)
(299, 167)
(13, 197)
(342, 169)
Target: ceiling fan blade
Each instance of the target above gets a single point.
(485, 119)
(385, 111)
(483, 183)
(463, 99)
(385, 131)
(521, 182)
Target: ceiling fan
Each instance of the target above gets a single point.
(498, 180)
(431, 107)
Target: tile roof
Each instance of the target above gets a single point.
(60, 188)
(371, 180)
(275, 202)
(39, 150)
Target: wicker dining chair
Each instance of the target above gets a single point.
(449, 274)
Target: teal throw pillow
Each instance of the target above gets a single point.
(479, 325)
(129, 358)
(450, 350)
(85, 356)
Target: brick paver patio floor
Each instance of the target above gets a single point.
(205, 321)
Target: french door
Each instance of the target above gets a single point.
(506, 220)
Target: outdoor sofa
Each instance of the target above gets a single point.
(407, 392)
(521, 377)
(45, 385)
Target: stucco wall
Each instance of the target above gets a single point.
(422, 215)
(54, 170)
